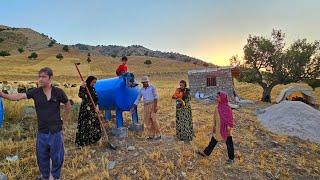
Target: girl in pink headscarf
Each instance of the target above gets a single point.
(222, 127)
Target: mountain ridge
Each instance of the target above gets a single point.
(12, 39)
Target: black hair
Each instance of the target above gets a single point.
(89, 80)
(48, 71)
(124, 58)
(184, 82)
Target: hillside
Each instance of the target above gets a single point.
(11, 39)
(134, 50)
(19, 67)
(26, 38)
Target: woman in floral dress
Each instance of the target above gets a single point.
(184, 126)
(88, 130)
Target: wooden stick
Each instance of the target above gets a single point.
(94, 105)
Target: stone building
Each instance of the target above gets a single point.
(207, 82)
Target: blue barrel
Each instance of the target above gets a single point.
(1, 112)
(114, 94)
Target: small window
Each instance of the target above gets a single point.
(211, 81)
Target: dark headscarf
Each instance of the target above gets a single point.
(92, 89)
(186, 91)
(89, 80)
(184, 82)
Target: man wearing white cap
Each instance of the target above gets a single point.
(150, 101)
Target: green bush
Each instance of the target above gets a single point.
(4, 53)
(59, 56)
(65, 48)
(50, 44)
(21, 50)
(33, 55)
(148, 62)
(89, 60)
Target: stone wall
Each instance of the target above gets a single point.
(198, 82)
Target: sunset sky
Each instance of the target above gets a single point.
(211, 30)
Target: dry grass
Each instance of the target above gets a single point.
(19, 67)
(256, 155)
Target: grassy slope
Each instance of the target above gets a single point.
(18, 66)
(25, 38)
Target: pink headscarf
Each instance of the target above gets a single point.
(225, 113)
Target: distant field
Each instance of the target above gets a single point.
(20, 67)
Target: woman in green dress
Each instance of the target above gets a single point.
(184, 126)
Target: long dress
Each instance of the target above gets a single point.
(184, 125)
(88, 130)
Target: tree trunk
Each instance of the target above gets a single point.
(266, 95)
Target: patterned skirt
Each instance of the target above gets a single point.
(88, 130)
(184, 126)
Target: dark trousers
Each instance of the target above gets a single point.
(50, 146)
(214, 142)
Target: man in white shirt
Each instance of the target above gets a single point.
(150, 101)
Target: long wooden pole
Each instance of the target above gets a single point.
(94, 105)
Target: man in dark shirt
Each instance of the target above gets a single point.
(47, 100)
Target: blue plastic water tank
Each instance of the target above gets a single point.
(114, 94)
(1, 112)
